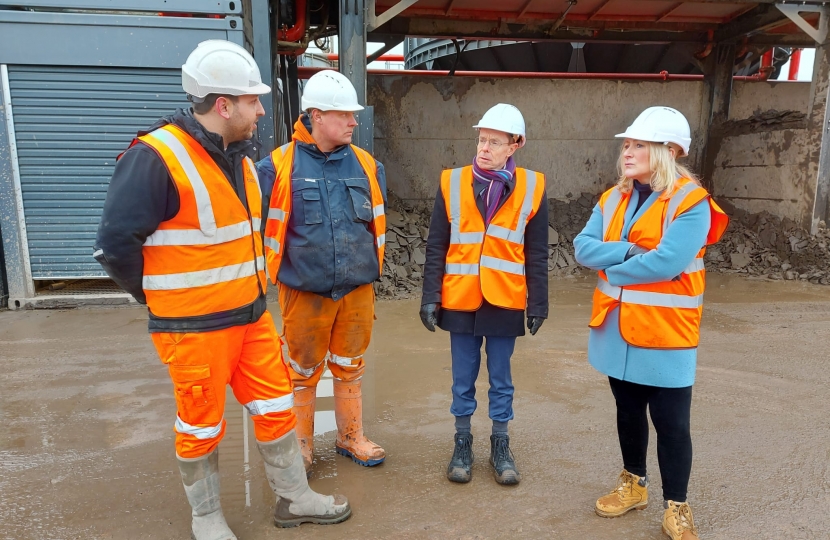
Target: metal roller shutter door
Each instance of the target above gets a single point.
(70, 125)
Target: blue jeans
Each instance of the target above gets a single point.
(466, 361)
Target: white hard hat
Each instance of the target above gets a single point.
(506, 118)
(221, 67)
(661, 124)
(330, 90)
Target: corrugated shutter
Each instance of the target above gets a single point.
(70, 125)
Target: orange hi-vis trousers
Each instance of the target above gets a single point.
(320, 330)
(201, 364)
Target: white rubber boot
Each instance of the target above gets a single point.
(296, 502)
(201, 484)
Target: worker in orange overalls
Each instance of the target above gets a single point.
(180, 231)
(646, 238)
(324, 242)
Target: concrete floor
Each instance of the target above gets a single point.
(86, 445)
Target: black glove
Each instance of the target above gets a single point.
(429, 316)
(534, 323)
(635, 250)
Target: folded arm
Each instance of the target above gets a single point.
(591, 251)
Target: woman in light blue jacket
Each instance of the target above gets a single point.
(650, 192)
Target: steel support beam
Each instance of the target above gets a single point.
(793, 13)
(718, 84)
(15, 243)
(818, 126)
(376, 21)
(352, 64)
(263, 54)
(221, 7)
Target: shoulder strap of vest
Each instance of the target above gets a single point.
(609, 202)
(684, 197)
(365, 159)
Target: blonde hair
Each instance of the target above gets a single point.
(665, 170)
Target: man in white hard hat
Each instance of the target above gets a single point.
(486, 265)
(324, 243)
(180, 231)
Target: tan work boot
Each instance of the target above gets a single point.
(678, 523)
(630, 494)
(304, 401)
(348, 412)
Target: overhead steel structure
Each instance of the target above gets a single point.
(713, 32)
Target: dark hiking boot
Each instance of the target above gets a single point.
(501, 458)
(459, 469)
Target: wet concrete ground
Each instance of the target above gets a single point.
(86, 445)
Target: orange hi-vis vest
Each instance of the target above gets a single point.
(663, 315)
(487, 264)
(279, 210)
(209, 257)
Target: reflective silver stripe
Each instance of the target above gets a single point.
(381, 241)
(517, 236)
(608, 290)
(459, 269)
(201, 278)
(98, 252)
(467, 238)
(257, 223)
(661, 299)
(694, 266)
(302, 371)
(276, 213)
(506, 234)
(272, 244)
(608, 209)
(195, 237)
(502, 265)
(204, 209)
(456, 236)
(378, 211)
(258, 407)
(676, 200)
(210, 432)
(344, 361)
(284, 148)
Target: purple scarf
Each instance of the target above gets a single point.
(495, 182)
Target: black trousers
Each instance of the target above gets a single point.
(670, 410)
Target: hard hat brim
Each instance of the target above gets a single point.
(639, 137)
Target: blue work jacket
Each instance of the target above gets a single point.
(329, 243)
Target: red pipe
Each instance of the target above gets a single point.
(306, 72)
(795, 63)
(382, 58)
(296, 32)
(766, 65)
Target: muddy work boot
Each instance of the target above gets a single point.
(501, 458)
(630, 494)
(461, 463)
(201, 484)
(678, 523)
(304, 402)
(296, 502)
(348, 412)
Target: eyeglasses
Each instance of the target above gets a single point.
(494, 144)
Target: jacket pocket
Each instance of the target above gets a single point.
(361, 197)
(307, 207)
(195, 395)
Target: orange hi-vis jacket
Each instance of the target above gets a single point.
(487, 264)
(663, 315)
(279, 210)
(209, 257)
